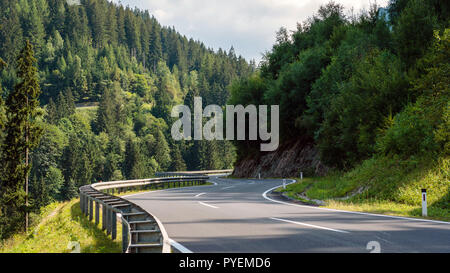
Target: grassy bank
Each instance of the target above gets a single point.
(58, 224)
(383, 185)
(62, 223)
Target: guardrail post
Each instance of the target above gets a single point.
(113, 225)
(103, 217)
(97, 210)
(91, 209)
(81, 201)
(85, 205)
(124, 236)
(108, 220)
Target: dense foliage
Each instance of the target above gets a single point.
(358, 86)
(109, 76)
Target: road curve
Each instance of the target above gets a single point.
(234, 216)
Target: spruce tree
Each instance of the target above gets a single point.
(22, 134)
(52, 112)
(69, 189)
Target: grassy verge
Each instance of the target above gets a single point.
(61, 224)
(383, 185)
(58, 224)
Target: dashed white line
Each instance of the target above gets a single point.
(308, 225)
(227, 187)
(200, 194)
(208, 205)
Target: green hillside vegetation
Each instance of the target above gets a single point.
(130, 69)
(372, 93)
(62, 223)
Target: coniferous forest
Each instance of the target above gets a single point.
(87, 89)
(106, 78)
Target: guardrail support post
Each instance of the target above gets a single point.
(113, 225)
(108, 220)
(81, 202)
(97, 210)
(103, 217)
(124, 236)
(85, 205)
(91, 209)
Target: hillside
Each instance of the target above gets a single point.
(130, 68)
(364, 97)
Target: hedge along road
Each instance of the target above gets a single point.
(241, 215)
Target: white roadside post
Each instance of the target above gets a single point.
(424, 202)
(301, 175)
(259, 175)
(284, 183)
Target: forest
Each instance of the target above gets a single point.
(106, 78)
(360, 85)
(370, 91)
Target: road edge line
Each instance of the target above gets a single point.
(346, 211)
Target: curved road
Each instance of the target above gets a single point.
(235, 215)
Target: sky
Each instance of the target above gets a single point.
(249, 26)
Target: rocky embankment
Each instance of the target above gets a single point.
(288, 160)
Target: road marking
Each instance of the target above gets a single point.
(179, 246)
(308, 225)
(170, 189)
(346, 211)
(227, 187)
(208, 205)
(200, 194)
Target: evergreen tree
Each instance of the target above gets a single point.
(178, 163)
(69, 189)
(52, 112)
(22, 134)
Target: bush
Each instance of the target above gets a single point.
(410, 134)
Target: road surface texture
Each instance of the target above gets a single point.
(241, 215)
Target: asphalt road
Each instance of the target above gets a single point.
(234, 216)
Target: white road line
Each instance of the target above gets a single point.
(227, 187)
(179, 246)
(208, 205)
(308, 225)
(170, 189)
(346, 211)
(200, 194)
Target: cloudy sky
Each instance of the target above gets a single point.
(248, 25)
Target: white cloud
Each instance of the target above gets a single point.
(248, 25)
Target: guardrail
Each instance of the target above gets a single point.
(141, 231)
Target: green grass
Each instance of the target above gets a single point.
(389, 186)
(63, 223)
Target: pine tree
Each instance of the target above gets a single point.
(40, 193)
(69, 190)
(61, 106)
(155, 47)
(178, 163)
(52, 112)
(22, 134)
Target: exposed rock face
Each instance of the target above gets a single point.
(288, 160)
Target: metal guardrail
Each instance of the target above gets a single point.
(141, 231)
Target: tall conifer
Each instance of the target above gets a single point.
(22, 134)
